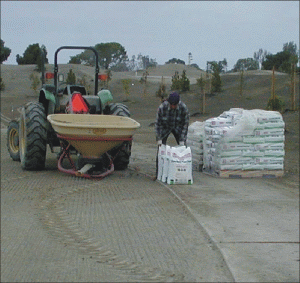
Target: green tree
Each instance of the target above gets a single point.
(143, 62)
(260, 56)
(71, 78)
(224, 64)
(180, 83)
(4, 52)
(175, 61)
(246, 64)
(176, 83)
(75, 59)
(32, 55)
(202, 83)
(185, 82)
(216, 78)
(290, 47)
(42, 59)
(109, 54)
(221, 65)
(282, 61)
(195, 66)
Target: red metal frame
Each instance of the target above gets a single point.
(78, 138)
(66, 154)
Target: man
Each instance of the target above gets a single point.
(172, 117)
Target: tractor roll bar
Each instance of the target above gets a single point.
(76, 47)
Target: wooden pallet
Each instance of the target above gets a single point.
(251, 174)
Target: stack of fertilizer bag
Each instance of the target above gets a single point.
(244, 140)
(195, 139)
(175, 165)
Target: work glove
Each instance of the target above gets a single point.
(181, 143)
(159, 143)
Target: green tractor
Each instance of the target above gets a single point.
(28, 137)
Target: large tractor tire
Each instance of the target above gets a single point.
(33, 129)
(119, 109)
(124, 150)
(13, 140)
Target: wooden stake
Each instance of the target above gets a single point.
(273, 84)
(203, 102)
(241, 82)
(293, 87)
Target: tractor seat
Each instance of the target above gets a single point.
(80, 89)
(93, 101)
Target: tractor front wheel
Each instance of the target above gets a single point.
(33, 136)
(13, 140)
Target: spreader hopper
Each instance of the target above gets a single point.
(93, 135)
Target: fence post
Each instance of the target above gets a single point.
(293, 87)
(273, 84)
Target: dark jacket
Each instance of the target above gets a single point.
(168, 119)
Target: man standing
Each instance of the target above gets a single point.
(172, 117)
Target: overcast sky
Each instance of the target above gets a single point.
(162, 30)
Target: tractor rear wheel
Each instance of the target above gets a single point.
(124, 150)
(33, 129)
(13, 140)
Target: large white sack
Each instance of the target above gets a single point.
(254, 133)
(165, 170)
(180, 166)
(160, 159)
(196, 127)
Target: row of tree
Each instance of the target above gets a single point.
(262, 59)
(113, 56)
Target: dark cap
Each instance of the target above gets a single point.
(174, 98)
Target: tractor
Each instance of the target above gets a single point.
(28, 137)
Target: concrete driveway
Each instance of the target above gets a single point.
(127, 227)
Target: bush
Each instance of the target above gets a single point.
(185, 82)
(71, 78)
(2, 85)
(216, 82)
(126, 83)
(275, 104)
(182, 83)
(176, 84)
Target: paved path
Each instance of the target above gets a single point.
(126, 227)
(253, 222)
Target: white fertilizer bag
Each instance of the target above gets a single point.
(180, 166)
(165, 161)
(160, 157)
(254, 141)
(195, 138)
